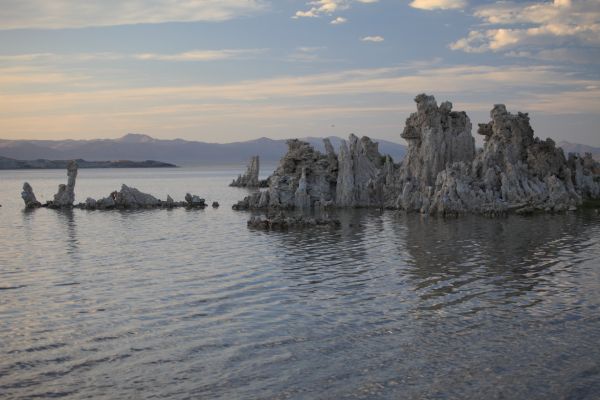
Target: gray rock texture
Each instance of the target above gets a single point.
(129, 197)
(250, 178)
(29, 197)
(281, 221)
(66, 193)
(442, 172)
(194, 201)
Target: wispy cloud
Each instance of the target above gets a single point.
(338, 21)
(203, 55)
(438, 4)
(192, 55)
(374, 39)
(288, 100)
(317, 8)
(306, 54)
(539, 26)
(56, 14)
(395, 80)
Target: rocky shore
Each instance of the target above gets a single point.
(443, 173)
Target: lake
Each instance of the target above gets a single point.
(179, 304)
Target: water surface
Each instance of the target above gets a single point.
(192, 304)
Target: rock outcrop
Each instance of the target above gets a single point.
(194, 201)
(131, 198)
(442, 172)
(66, 193)
(250, 178)
(126, 198)
(29, 197)
(281, 221)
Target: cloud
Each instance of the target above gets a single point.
(317, 8)
(339, 21)
(192, 55)
(57, 14)
(567, 55)
(375, 39)
(60, 107)
(409, 80)
(202, 55)
(306, 54)
(438, 4)
(537, 26)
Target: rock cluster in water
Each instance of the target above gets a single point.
(442, 173)
(281, 221)
(126, 198)
(250, 178)
(131, 198)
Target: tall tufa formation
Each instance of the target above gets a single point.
(250, 177)
(437, 137)
(66, 193)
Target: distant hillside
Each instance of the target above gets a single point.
(11, 163)
(580, 148)
(138, 147)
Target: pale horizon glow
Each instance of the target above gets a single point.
(233, 70)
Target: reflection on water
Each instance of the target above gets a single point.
(192, 304)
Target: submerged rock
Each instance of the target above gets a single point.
(29, 197)
(283, 221)
(442, 172)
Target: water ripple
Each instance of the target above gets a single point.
(183, 304)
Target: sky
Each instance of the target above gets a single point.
(233, 70)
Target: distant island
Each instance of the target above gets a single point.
(11, 163)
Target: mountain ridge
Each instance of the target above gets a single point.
(141, 147)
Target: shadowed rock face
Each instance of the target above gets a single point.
(303, 177)
(441, 173)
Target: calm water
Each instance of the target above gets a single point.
(192, 304)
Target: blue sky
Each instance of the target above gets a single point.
(228, 70)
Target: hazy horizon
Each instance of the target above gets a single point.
(236, 70)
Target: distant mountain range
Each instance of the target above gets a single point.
(569, 147)
(137, 147)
